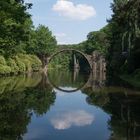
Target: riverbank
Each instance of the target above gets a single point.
(132, 79)
(21, 63)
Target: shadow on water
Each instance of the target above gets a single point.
(23, 98)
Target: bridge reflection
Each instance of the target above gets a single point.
(96, 79)
(97, 64)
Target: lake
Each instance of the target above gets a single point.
(65, 105)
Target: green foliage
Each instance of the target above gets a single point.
(2, 60)
(61, 60)
(16, 28)
(35, 62)
(46, 43)
(27, 65)
(98, 40)
(12, 64)
(42, 43)
(125, 38)
(32, 62)
(4, 70)
(20, 64)
(13, 25)
(18, 36)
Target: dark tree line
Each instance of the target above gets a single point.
(124, 51)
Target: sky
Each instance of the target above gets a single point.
(71, 20)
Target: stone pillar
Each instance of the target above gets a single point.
(104, 70)
(100, 69)
(94, 70)
(75, 74)
(76, 63)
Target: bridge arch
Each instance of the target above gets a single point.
(87, 57)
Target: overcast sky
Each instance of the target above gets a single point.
(71, 20)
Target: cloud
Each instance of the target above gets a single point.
(61, 38)
(69, 9)
(74, 118)
(59, 35)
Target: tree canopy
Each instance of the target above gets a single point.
(124, 50)
(13, 25)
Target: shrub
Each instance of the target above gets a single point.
(31, 62)
(13, 65)
(2, 60)
(4, 70)
(20, 64)
(36, 63)
(27, 63)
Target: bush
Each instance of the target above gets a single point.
(2, 60)
(14, 68)
(31, 62)
(36, 63)
(20, 64)
(4, 70)
(27, 63)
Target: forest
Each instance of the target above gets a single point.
(24, 48)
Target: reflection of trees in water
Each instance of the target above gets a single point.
(16, 105)
(18, 83)
(66, 78)
(124, 110)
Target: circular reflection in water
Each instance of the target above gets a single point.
(66, 80)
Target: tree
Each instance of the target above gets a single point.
(43, 43)
(98, 40)
(123, 53)
(13, 25)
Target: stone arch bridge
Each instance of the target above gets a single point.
(96, 60)
(97, 64)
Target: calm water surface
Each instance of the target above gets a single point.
(63, 105)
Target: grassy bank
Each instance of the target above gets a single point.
(21, 63)
(132, 79)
